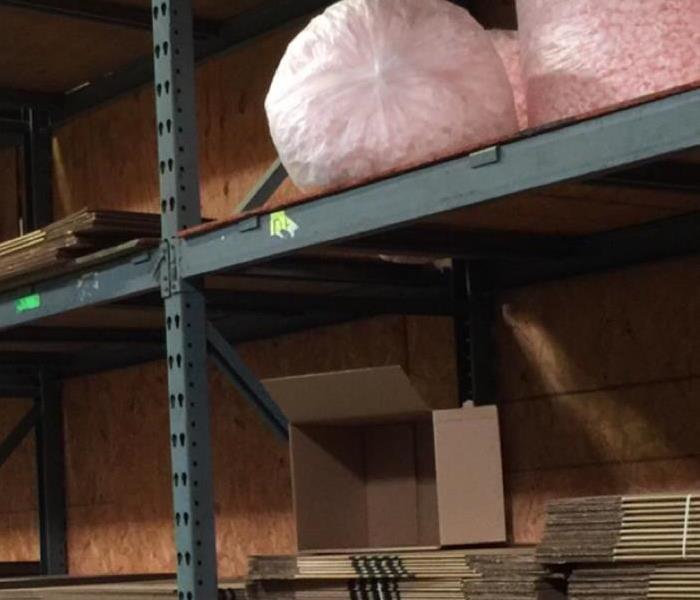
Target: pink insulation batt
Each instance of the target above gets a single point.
(373, 86)
(507, 45)
(585, 55)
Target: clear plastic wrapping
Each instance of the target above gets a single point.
(584, 55)
(373, 86)
(507, 45)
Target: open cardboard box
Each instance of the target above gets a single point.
(374, 467)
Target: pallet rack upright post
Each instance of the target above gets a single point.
(185, 310)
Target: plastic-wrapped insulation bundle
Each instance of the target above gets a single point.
(507, 45)
(374, 86)
(581, 56)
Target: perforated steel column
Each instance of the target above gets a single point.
(190, 446)
(184, 304)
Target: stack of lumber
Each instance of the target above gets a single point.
(59, 245)
(503, 574)
(622, 528)
(639, 582)
(136, 587)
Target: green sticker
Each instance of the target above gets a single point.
(27, 303)
(282, 226)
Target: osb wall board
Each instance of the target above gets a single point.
(52, 53)
(596, 374)
(118, 452)
(598, 383)
(635, 423)
(19, 538)
(107, 159)
(9, 205)
(592, 333)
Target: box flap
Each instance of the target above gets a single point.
(471, 505)
(358, 395)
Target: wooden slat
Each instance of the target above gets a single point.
(82, 239)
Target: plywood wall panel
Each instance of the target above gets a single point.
(350, 346)
(598, 379)
(617, 425)
(596, 374)
(107, 159)
(51, 53)
(19, 539)
(529, 491)
(19, 532)
(432, 359)
(118, 451)
(119, 483)
(596, 332)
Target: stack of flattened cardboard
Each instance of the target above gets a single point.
(395, 565)
(134, 587)
(622, 528)
(59, 247)
(514, 577)
(508, 574)
(649, 581)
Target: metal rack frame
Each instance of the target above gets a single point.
(589, 149)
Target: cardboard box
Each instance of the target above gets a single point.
(374, 467)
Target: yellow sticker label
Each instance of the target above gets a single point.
(282, 226)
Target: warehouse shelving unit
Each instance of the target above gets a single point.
(315, 261)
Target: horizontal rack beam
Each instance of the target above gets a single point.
(237, 329)
(585, 149)
(116, 280)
